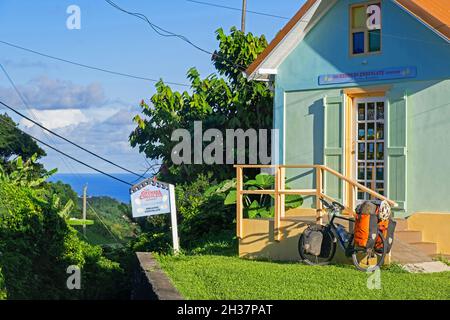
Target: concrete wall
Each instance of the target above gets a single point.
(435, 228)
(428, 147)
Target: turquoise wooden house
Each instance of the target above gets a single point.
(363, 87)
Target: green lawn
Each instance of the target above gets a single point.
(228, 278)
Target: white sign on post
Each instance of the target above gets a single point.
(150, 197)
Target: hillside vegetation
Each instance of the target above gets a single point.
(112, 222)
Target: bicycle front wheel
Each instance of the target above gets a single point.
(369, 260)
(328, 247)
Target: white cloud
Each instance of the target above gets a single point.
(84, 115)
(55, 119)
(45, 93)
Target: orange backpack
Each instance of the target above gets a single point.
(366, 225)
(387, 228)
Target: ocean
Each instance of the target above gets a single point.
(98, 184)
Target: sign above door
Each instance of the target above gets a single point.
(372, 75)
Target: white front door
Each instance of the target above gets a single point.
(369, 141)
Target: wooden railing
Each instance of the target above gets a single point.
(279, 192)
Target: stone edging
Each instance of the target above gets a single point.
(153, 283)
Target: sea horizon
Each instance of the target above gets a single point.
(99, 184)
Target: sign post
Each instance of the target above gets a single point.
(173, 218)
(151, 197)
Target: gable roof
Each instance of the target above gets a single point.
(435, 14)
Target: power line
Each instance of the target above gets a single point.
(69, 141)
(104, 224)
(89, 66)
(69, 156)
(166, 33)
(237, 9)
(22, 98)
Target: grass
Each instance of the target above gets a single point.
(443, 259)
(229, 278)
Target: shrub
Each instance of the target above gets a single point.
(37, 246)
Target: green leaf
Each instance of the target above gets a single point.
(231, 198)
(293, 201)
(19, 163)
(79, 222)
(265, 180)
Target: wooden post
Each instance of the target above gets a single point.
(84, 209)
(239, 202)
(374, 167)
(244, 14)
(351, 195)
(277, 218)
(319, 191)
(282, 188)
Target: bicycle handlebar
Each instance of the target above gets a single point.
(336, 206)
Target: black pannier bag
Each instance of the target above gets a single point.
(313, 241)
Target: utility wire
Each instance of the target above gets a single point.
(89, 66)
(69, 156)
(104, 224)
(237, 9)
(24, 101)
(166, 33)
(69, 141)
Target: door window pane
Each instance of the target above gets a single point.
(370, 167)
(361, 151)
(361, 194)
(380, 110)
(358, 42)
(371, 151)
(361, 173)
(361, 111)
(361, 131)
(380, 131)
(371, 131)
(380, 172)
(371, 111)
(380, 151)
(380, 188)
(374, 40)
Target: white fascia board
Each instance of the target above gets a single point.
(285, 47)
(263, 71)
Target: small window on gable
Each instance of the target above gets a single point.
(365, 28)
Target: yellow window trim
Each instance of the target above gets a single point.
(350, 95)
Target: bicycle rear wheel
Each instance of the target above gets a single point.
(369, 260)
(327, 251)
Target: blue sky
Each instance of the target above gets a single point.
(93, 108)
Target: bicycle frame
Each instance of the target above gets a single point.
(348, 249)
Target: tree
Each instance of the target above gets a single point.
(14, 142)
(64, 192)
(224, 100)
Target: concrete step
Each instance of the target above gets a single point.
(409, 236)
(402, 225)
(403, 252)
(428, 248)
